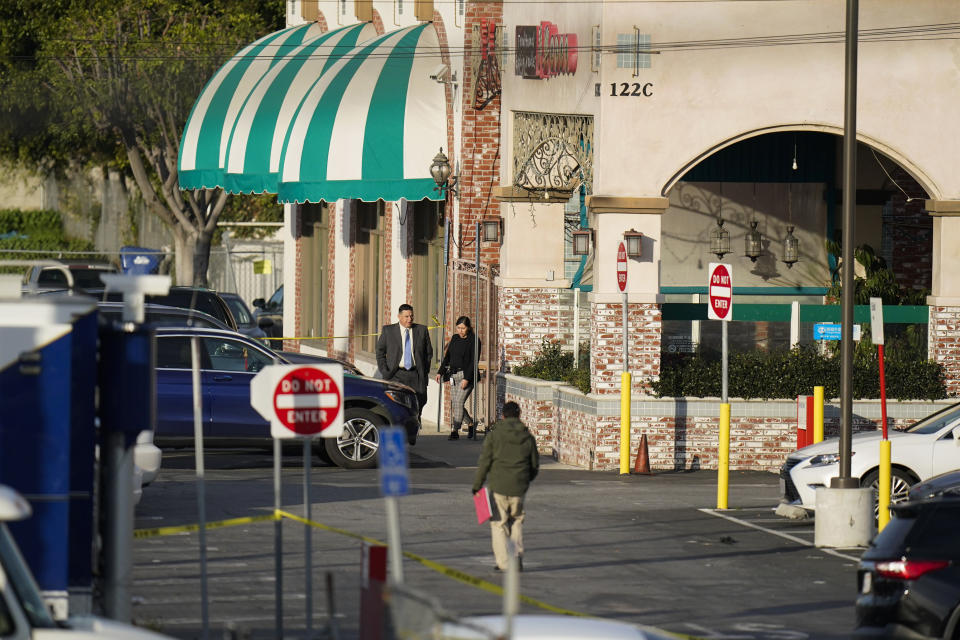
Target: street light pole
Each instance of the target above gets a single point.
(844, 481)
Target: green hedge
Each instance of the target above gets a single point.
(787, 374)
(553, 363)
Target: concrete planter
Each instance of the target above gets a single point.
(584, 429)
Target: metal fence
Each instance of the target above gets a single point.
(478, 299)
(251, 269)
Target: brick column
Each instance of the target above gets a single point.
(943, 338)
(606, 345)
(614, 215)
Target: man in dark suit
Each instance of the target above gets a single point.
(404, 353)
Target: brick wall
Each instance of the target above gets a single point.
(480, 145)
(943, 340)
(584, 430)
(606, 346)
(530, 315)
(540, 418)
(294, 345)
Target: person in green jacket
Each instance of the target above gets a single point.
(508, 464)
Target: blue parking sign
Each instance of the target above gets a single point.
(394, 475)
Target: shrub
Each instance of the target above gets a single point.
(553, 363)
(31, 235)
(787, 374)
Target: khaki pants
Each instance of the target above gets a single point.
(509, 525)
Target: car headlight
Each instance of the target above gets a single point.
(401, 397)
(826, 458)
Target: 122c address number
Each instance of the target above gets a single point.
(631, 89)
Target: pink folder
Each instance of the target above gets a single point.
(481, 501)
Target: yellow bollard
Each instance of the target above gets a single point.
(723, 464)
(817, 414)
(883, 491)
(625, 423)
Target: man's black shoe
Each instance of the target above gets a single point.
(454, 436)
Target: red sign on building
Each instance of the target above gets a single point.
(543, 52)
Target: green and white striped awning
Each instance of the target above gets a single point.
(316, 117)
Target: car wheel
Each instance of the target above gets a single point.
(900, 483)
(357, 446)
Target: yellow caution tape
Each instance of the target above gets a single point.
(217, 524)
(449, 572)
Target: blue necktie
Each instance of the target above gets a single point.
(407, 352)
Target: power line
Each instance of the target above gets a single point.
(912, 33)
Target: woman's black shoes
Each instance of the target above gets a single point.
(454, 435)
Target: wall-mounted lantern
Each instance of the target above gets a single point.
(633, 240)
(582, 239)
(492, 229)
(440, 170)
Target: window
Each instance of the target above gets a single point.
(230, 355)
(428, 266)
(629, 50)
(597, 49)
(173, 352)
(315, 238)
(368, 282)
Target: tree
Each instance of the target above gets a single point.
(878, 280)
(113, 82)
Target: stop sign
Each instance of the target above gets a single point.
(720, 291)
(622, 267)
(300, 401)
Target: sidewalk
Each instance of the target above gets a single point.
(436, 450)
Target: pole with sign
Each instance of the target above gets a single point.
(883, 491)
(394, 482)
(625, 376)
(720, 307)
(300, 402)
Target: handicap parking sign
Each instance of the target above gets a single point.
(394, 475)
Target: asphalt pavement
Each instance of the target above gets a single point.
(645, 549)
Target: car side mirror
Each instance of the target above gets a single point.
(265, 322)
(259, 303)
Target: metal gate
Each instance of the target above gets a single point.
(477, 298)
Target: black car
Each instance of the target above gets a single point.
(909, 578)
(205, 300)
(158, 315)
(255, 328)
(271, 309)
(229, 361)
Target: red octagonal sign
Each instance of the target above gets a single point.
(622, 267)
(720, 292)
(307, 401)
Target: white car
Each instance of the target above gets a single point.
(927, 448)
(23, 613)
(549, 627)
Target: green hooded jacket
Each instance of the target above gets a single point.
(509, 461)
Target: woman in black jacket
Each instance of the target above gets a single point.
(458, 367)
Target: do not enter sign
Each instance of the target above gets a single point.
(720, 292)
(300, 401)
(622, 267)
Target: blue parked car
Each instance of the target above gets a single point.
(228, 361)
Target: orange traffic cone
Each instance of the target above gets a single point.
(642, 464)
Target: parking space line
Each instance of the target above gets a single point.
(787, 536)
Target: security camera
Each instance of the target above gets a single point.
(440, 72)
